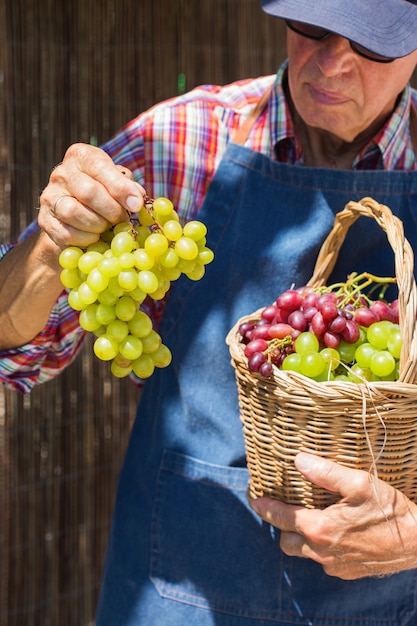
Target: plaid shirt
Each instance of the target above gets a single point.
(173, 149)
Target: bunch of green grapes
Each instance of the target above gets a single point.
(374, 356)
(110, 280)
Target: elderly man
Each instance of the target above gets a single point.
(265, 163)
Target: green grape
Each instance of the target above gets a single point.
(162, 206)
(125, 308)
(97, 281)
(140, 325)
(145, 217)
(205, 255)
(137, 295)
(69, 257)
(331, 357)
(195, 230)
(186, 248)
(105, 313)
(74, 301)
(347, 351)
(131, 347)
(143, 260)
(378, 334)
(141, 235)
(292, 362)
(169, 259)
(197, 272)
(394, 343)
(70, 278)
(88, 261)
(117, 330)
(162, 356)
(109, 266)
(186, 265)
(126, 260)
(163, 219)
(357, 374)
(108, 235)
(171, 273)
(122, 242)
(99, 246)
(88, 318)
(343, 378)
(306, 342)
(144, 366)
(156, 245)
(105, 297)
(395, 374)
(312, 364)
(122, 227)
(147, 281)
(326, 375)
(172, 230)
(363, 354)
(151, 342)
(159, 293)
(86, 294)
(382, 363)
(159, 276)
(105, 348)
(114, 288)
(201, 243)
(128, 279)
(101, 330)
(118, 371)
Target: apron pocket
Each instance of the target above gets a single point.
(204, 563)
(235, 566)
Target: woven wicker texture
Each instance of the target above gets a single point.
(364, 426)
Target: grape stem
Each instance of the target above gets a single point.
(356, 283)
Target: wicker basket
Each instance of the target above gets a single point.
(365, 426)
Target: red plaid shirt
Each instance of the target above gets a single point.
(173, 150)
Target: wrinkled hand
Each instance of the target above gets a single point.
(93, 192)
(370, 531)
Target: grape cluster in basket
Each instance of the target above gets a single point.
(327, 333)
(110, 280)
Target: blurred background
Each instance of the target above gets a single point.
(77, 71)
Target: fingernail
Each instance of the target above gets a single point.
(133, 203)
(305, 461)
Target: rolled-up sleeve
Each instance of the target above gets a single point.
(51, 351)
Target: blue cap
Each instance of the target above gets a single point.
(386, 27)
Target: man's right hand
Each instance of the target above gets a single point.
(86, 193)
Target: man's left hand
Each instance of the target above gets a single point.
(370, 531)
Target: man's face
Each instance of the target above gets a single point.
(336, 90)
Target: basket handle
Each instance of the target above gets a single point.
(404, 270)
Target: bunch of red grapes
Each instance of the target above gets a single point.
(328, 333)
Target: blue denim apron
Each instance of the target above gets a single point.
(185, 549)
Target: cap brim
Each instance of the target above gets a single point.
(388, 28)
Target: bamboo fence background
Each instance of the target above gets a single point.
(77, 71)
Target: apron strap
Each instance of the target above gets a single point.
(413, 128)
(241, 134)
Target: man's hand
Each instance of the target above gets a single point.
(85, 194)
(370, 531)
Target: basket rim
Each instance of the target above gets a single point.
(279, 376)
